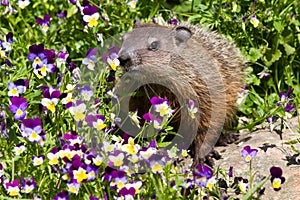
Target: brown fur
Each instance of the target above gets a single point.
(195, 62)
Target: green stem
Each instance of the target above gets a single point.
(251, 177)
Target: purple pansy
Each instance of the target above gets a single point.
(127, 193)
(112, 53)
(28, 185)
(4, 2)
(32, 129)
(62, 14)
(51, 97)
(61, 58)
(289, 107)
(45, 23)
(173, 21)
(7, 46)
(276, 178)
(249, 153)
(13, 188)
(37, 55)
(63, 195)
(93, 198)
(90, 59)
(230, 171)
(18, 107)
(284, 96)
(91, 16)
(17, 87)
(202, 174)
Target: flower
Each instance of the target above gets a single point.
(230, 171)
(16, 88)
(284, 97)
(113, 63)
(161, 105)
(90, 59)
(18, 107)
(50, 99)
(19, 149)
(276, 178)
(80, 175)
(22, 4)
(53, 157)
(157, 166)
(134, 118)
(28, 186)
(45, 23)
(73, 187)
(63, 195)
(243, 184)
(86, 93)
(127, 193)
(119, 179)
(202, 175)
(32, 129)
(173, 21)
(192, 109)
(61, 58)
(37, 55)
(132, 3)
(254, 21)
(37, 160)
(249, 153)
(91, 16)
(6, 46)
(13, 188)
(116, 159)
(131, 148)
(78, 111)
(98, 160)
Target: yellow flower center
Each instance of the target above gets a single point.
(157, 167)
(80, 175)
(19, 112)
(37, 60)
(276, 183)
(14, 91)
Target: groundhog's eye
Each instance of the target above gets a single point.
(153, 46)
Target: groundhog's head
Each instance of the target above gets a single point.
(152, 44)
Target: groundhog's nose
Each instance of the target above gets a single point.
(124, 59)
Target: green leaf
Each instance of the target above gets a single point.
(254, 54)
(276, 56)
(278, 26)
(71, 11)
(289, 49)
(255, 188)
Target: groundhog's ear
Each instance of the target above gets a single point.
(137, 23)
(182, 34)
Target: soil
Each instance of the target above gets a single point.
(274, 149)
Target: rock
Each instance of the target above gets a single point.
(272, 151)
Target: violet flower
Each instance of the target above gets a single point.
(45, 23)
(18, 107)
(32, 129)
(202, 175)
(63, 195)
(17, 87)
(249, 153)
(276, 178)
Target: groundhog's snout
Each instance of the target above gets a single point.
(125, 60)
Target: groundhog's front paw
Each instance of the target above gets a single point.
(208, 159)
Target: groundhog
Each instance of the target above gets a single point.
(183, 63)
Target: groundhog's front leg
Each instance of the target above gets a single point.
(197, 154)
